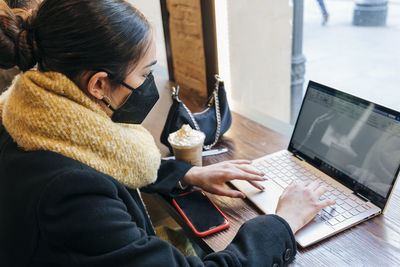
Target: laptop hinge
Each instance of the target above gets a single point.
(297, 156)
(361, 196)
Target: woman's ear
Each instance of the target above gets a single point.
(97, 85)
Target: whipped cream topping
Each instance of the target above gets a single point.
(186, 136)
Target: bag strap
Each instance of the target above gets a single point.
(175, 92)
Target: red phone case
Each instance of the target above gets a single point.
(208, 232)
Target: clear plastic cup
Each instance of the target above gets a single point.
(187, 145)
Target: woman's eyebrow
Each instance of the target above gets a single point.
(151, 64)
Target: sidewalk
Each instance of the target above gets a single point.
(364, 61)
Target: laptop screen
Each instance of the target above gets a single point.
(351, 139)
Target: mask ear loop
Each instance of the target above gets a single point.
(108, 102)
(128, 86)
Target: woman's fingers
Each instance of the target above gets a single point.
(239, 161)
(325, 203)
(250, 169)
(314, 185)
(257, 185)
(223, 191)
(241, 175)
(320, 191)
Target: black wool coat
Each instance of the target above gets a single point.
(56, 211)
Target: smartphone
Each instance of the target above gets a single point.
(200, 213)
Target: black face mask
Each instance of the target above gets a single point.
(139, 103)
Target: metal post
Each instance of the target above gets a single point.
(298, 60)
(370, 13)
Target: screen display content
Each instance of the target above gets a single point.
(351, 136)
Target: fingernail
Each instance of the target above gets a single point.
(262, 188)
(264, 178)
(262, 173)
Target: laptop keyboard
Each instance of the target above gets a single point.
(284, 168)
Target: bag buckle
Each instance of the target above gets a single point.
(175, 92)
(210, 101)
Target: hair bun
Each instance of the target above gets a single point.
(16, 40)
(24, 50)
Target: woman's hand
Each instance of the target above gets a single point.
(299, 203)
(212, 178)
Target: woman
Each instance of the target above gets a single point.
(73, 155)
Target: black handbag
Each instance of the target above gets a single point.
(214, 120)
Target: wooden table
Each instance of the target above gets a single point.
(375, 242)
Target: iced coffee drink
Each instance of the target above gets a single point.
(187, 144)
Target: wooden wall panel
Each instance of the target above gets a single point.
(187, 44)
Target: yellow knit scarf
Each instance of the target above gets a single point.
(47, 111)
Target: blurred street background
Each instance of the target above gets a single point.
(364, 61)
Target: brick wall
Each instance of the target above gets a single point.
(186, 35)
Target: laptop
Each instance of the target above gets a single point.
(348, 144)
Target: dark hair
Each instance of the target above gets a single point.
(24, 4)
(75, 36)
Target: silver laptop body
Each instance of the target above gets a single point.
(348, 144)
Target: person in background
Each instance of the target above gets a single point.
(74, 157)
(325, 14)
(21, 8)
